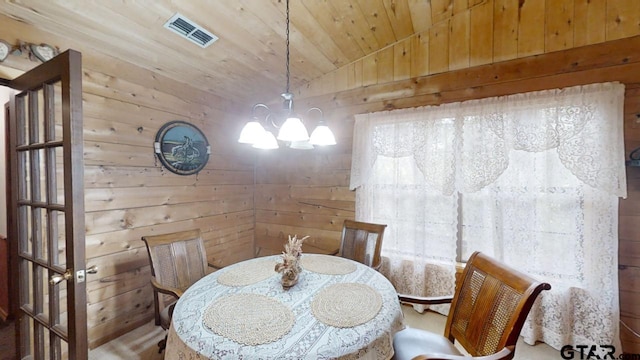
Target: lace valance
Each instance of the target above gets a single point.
(465, 146)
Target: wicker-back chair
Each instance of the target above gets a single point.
(487, 313)
(177, 261)
(362, 241)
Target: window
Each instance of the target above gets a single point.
(530, 179)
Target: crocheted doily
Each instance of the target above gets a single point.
(346, 304)
(249, 319)
(331, 265)
(247, 274)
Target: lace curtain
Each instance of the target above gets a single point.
(531, 179)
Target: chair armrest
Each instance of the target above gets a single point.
(211, 265)
(165, 289)
(504, 354)
(425, 300)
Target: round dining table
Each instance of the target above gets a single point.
(338, 309)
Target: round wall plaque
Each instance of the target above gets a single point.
(182, 148)
(5, 49)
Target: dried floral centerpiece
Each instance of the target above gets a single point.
(290, 265)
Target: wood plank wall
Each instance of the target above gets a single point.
(127, 192)
(463, 34)
(492, 48)
(303, 193)
(629, 233)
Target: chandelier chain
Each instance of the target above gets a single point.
(288, 46)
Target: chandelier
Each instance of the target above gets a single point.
(292, 131)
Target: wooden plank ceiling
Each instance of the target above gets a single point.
(247, 63)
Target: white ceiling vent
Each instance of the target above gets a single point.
(190, 30)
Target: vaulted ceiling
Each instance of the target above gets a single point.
(247, 63)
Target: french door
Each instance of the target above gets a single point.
(46, 210)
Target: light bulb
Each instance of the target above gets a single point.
(266, 142)
(293, 130)
(251, 133)
(322, 136)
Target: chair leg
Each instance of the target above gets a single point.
(162, 344)
(156, 306)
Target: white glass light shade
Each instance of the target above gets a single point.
(322, 136)
(266, 142)
(293, 130)
(301, 145)
(251, 133)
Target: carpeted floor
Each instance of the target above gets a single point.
(7, 340)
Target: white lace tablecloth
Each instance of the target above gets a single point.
(309, 338)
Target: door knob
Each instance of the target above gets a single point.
(80, 275)
(57, 278)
